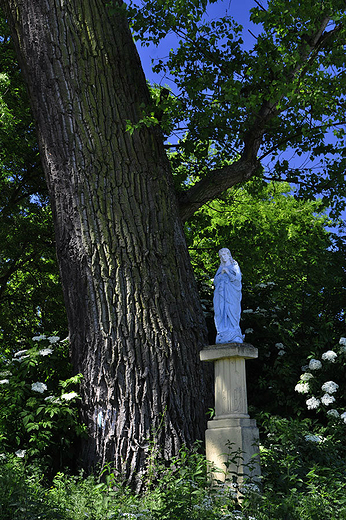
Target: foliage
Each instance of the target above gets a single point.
(182, 491)
(301, 480)
(263, 222)
(293, 281)
(303, 468)
(322, 384)
(180, 488)
(302, 461)
(22, 494)
(281, 99)
(294, 270)
(38, 414)
(30, 292)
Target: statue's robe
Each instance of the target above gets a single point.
(227, 304)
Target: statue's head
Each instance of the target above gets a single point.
(225, 255)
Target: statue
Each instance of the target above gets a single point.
(227, 298)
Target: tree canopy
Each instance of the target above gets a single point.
(135, 321)
(219, 87)
(236, 110)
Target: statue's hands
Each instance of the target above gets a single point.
(230, 273)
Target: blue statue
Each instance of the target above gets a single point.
(227, 298)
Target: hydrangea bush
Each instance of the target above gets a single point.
(320, 392)
(38, 412)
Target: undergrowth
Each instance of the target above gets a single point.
(302, 479)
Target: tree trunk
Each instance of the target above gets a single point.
(135, 321)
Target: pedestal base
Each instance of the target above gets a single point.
(231, 430)
(223, 438)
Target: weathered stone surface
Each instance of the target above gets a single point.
(231, 429)
(223, 438)
(228, 350)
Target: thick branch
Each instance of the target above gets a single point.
(220, 180)
(212, 186)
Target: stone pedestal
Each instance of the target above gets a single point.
(231, 429)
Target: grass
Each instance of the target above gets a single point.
(301, 481)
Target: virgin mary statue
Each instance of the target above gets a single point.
(227, 298)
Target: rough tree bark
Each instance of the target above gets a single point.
(135, 320)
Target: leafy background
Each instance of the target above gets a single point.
(284, 229)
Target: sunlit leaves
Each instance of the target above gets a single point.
(294, 279)
(289, 88)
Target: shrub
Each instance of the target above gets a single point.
(38, 413)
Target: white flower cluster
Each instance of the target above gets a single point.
(39, 387)
(330, 355)
(52, 399)
(313, 438)
(333, 413)
(4, 381)
(315, 364)
(20, 453)
(302, 387)
(313, 403)
(53, 339)
(69, 396)
(45, 351)
(330, 387)
(20, 353)
(5, 373)
(306, 376)
(39, 338)
(65, 397)
(18, 356)
(327, 399)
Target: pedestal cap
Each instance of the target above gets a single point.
(228, 350)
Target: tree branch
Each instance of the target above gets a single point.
(260, 6)
(212, 186)
(221, 179)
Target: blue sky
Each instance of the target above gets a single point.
(239, 10)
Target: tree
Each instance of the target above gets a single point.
(135, 320)
(134, 316)
(30, 289)
(238, 111)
